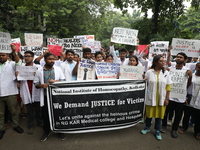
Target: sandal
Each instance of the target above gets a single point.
(181, 131)
(197, 136)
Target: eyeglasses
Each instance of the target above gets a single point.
(28, 56)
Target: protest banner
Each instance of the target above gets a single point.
(94, 46)
(124, 36)
(26, 72)
(17, 43)
(131, 72)
(38, 51)
(33, 39)
(90, 106)
(54, 41)
(158, 48)
(86, 70)
(56, 50)
(179, 84)
(74, 44)
(107, 70)
(85, 38)
(5, 41)
(142, 47)
(190, 47)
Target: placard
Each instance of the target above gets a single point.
(38, 51)
(107, 70)
(26, 72)
(190, 47)
(131, 72)
(158, 48)
(33, 39)
(91, 106)
(56, 50)
(86, 70)
(5, 41)
(179, 80)
(17, 43)
(85, 38)
(94, 46)
(54, 41)
(124, 36)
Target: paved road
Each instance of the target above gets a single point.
(124, 139)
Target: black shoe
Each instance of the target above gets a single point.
(174, 134)
(62, 136)
(45, 136)
(30, 130)
(18, 129)
(1, 134)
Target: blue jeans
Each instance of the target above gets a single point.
(157, 123)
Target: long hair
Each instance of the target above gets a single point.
(155, 60)
(135, 59)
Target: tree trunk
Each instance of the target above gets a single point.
(155, 15)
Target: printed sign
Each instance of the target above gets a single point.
(74, 44)
(90, 106)
(17, 43)
(86, 70)
(124, 36)
(158, 48)
(179, 80)
(190, 47)
(131, 72)
(94, 46)
(107, 70)
(33, 39)
(5, 41)
(38, 51)
(85, 38)
(26, 72)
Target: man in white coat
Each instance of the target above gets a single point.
(45, 76)
(8, 90)
(68, 65)
(30, 95)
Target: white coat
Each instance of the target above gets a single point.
(164, 79)
(25, 94)
(67, 70)
(39, 78)
(195, 101)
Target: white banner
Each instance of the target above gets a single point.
(85, 38)
(86, 70)
(179, 84)
(131, 72)
(38, 51)
(190, 47)
(33, 39)
(5, 41)
(124, 36)
(158, 48)
(107, 70)
(26, 72)
(94, 46)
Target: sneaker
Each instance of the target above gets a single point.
(62, 136)
(174, 134)
(18, 129)
(1, 134)
(169, 123)
(30, 130)
(163, 129)
(158, 135)
(142, 121)
(45, 136)
(145, 130)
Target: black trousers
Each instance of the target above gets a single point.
(45, 116)
(196, 113)
(178, 109)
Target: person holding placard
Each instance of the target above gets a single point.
(68, 65)
(98, 56)
(31, 95)
(157, 94)
(45, 76)
(176, 104)
(8, 90)
(76, 57)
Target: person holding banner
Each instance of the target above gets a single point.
(98, 56)
(157, 94)
(68, 65)
(109, 58)
(76, 57)
(175, 103)
(45, 76)
(9, 91)
(31, 95)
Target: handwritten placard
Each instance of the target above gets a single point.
(17, 43)
(26, 72)
(158, 48)
(94, 46)
(54, 41)
(86, 70)
(38, 51)
(33, 39)
(124, 36)
(5, 41)
(107, 70)
(179, 80)
(85, 38)
(190, 47)
(55, 49)
(131, 72)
